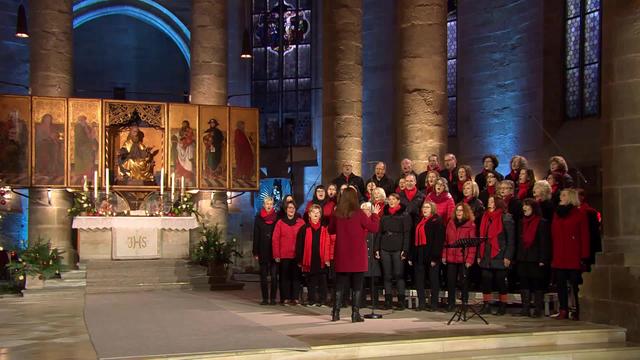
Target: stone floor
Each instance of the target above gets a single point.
(54, 328)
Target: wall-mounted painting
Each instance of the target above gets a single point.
(15, 120)
(49, 141)
(214, 155)
(182, 134)
(243, 148)
(134, 134)
(85, 140)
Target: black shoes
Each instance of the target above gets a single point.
(335, 313)
(485, 309)
(388, 302)
(401, 302)
(264, 302)
(502, 309)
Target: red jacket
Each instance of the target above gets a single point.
(465, 231)
(570, 239)
(284, 239)
(444, 208)
(350, 249)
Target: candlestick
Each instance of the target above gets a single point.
(107, 181)
(173, 185)
(85, 187)
(181, 186)
(161, 181)
(95, 185)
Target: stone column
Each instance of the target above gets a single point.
(51, 74)
(342, 86)
(209, 86)
(421, 80)
(611, 292)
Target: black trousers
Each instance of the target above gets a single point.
(457, 274)
(317, 286)
(434, 283)
(268, 268)
(346, 281)
(531, 276)
(289, 280)
(562, 278)
(497, 277)
(392, 269)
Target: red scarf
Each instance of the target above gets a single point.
(436, 168)
(450, 177)
(268, 217)
(429, 189)
(467, 199)
(410, 194)
(380, 204)
(529, 228)
(367, 195)
(507, 199)
(393, 210)
(439, 199)
(491, 189)
(491, 227)
(421, 237)
(554, 188)
(308, 242)
(461, 185)
(523, 189)
(514, 174)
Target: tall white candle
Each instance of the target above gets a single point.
(173, 185)
(106, 179)
(95, 185)
(161, 181)
(85, 186)
(181, 185)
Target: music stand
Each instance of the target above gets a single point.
(461, 310)
(374, 301)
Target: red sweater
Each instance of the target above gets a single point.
(445, 205)
(284, 239)
(570, 239)
(465, 231)
(350, 250)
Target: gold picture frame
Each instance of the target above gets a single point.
(85, 139)
(182, 144)
(244, 148)
(49, 142)
(15, 140)
(213, 141)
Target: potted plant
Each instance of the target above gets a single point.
(215, 253)
(36, 264)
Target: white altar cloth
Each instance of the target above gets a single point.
(110, 222)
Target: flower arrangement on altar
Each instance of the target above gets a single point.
(38, 260)
(183, 206)
(213, 249)
(82, 205)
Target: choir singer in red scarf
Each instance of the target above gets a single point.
(313, 253)
(263, 226)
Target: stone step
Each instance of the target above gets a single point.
(139, 287)
(128, 264)
(54, 293)
(60, 283)
(74, 274)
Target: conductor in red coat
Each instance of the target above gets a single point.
(350, 224)
(570, 244)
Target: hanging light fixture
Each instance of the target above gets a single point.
(21, 23)
(246, 46)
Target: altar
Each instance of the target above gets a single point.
(131, 237)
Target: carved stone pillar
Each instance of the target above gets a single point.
(342, 86)
(209, 85)
(51, 74)
(611, 291)
(421, 80)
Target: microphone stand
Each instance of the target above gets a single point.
(374, 301)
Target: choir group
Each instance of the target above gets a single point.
(533, 234)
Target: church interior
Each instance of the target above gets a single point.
(139, 134)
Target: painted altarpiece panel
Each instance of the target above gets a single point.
(214, 152)
(85, 140)
(15, 121)
(243, 148)
(49, 141)
(182, 133)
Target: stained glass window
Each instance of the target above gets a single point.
(281, 72)
(452, 58)
(582, 62)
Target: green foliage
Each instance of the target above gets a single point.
(212, 248)
(184, 206)
(81, 204)
(39, 260)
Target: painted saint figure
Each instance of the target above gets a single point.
(85, 148)
(245, 164)
(213, 144)
(185, 152)
(13, 145)
(49, 152)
